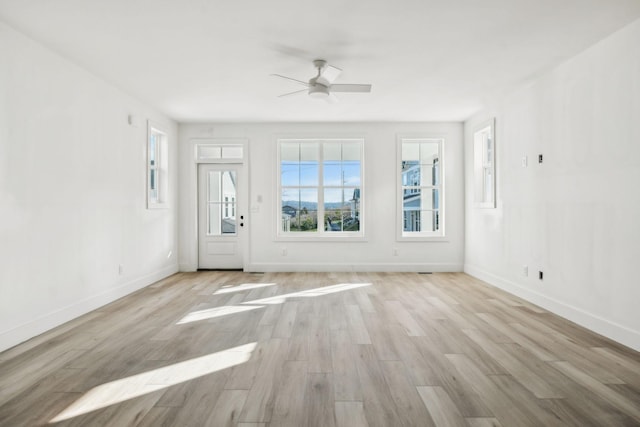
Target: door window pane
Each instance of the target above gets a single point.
(221, 195)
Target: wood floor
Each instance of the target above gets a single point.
(312, 349)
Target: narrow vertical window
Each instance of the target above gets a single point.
(421, 191)
(157, 167)
(484, 176)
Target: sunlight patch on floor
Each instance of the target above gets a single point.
(317, 292)
(212, 313)
(245, 286)
(134, 386)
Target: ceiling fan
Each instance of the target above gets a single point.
(322, 86)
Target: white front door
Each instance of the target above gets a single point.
(221, 216)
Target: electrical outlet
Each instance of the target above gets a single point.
(524, 161)
(284, 252)
(120, 269)
(525, 270)
(395, 251)
(539, 158)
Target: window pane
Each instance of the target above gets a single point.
(153, 190)
(290, 173)
(232, 152)
(351, 172)
(421, 198)
(214, 226)
(228, 185)
(332, 173)
(214, 184)
(411, 151)
(152, 150)
(332, 151)
(309, 173)
(290, 152)
(299, 209)
(351, 209)
(333, 205)
(351, 152)
(428, 152)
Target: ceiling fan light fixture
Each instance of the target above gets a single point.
(318, 91)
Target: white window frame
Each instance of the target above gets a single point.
(320, 234)
(160, 199)
(438, 235)
(484, 165)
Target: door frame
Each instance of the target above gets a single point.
(196, 146)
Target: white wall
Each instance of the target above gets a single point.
(374, 254)
(72, 192)
(576, 217)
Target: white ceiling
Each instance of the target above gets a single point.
(210, 60)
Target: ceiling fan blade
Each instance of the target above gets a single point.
(328, 74)
(350, 88)
(292, 93)
(292, 79)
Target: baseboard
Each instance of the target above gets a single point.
(598, 324)
(345, 267)
(46, 322)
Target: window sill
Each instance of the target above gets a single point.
(435, 239)
(324, 238)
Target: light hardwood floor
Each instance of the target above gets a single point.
(313, 349)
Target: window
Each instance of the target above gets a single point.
(157, 165)
(320, 184)
(421, 192)
(484, 176)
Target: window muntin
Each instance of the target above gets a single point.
(421, 205)
(320, 187)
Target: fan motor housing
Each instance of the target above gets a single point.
(318, 90)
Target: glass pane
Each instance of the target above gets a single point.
(420, 198)
(332, 151)
(214, 184)
(214, 227)
(428, 152)
(309, 173)
(290, 173)
(208, 152)
(410, 151)
(228, 185)
(153, 149)
(351, 172)
(351, 209)
(333, 206)
(351, 152)
(152, 182)
(290, 152)
(332, 173)
(299, 209)
(421, 220)
(488, 185)
(309, 152)
(232, 152)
